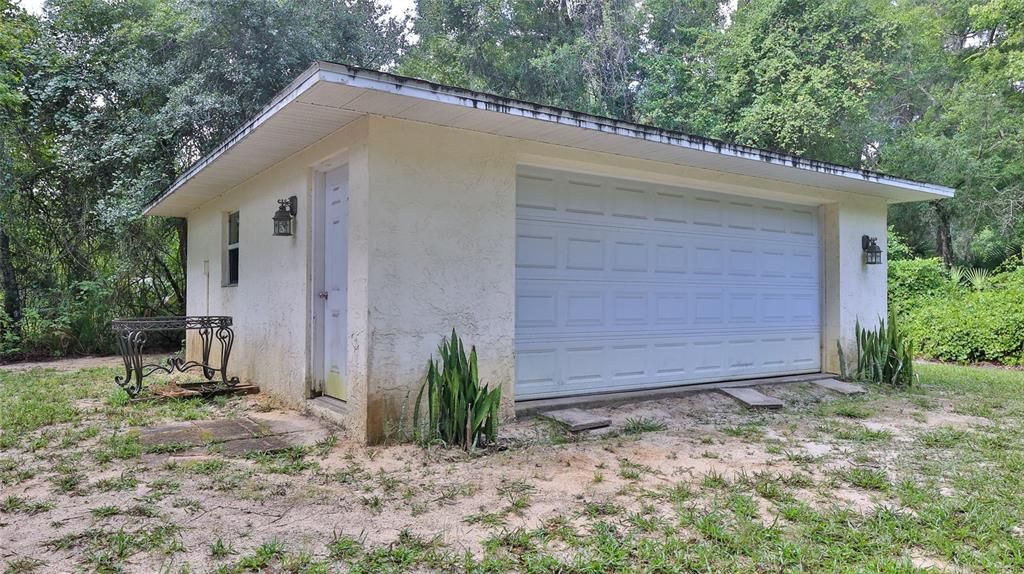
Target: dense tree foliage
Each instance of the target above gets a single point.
(925, 89)
(104, 102)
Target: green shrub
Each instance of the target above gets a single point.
(78, 323)
(897, 246)
(972, 326)
(459, 410)
(884, 355)
(911, 279)
(953, 318)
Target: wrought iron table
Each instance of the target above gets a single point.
(131, 337)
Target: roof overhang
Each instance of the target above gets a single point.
(327, 97)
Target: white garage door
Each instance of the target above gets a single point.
(623, 285)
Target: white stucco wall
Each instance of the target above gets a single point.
(432, 246)
(853, 290)
(270, 305)
(442, 255)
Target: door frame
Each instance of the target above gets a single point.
(317, 306)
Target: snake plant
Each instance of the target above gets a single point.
(884, 355)
(459, 411)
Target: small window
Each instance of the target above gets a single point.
(231, 269)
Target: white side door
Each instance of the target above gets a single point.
(335, 287)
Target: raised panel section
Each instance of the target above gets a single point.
(742, 262)
(584, 364)
(629, 202)
(536, 251)
(536, 310)
(670, 308)
(536, 192)
(629, 361)
(629, 256)
(584, 197)
(585, 254)
(707, 259)
(584, 309)
(630, 308)
(707, 211)
(669, 258)
(670, 207)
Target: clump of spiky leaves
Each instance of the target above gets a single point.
(884, 355)
(978, 278)
(459, 410)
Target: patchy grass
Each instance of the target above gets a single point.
(18, 505)
(640, 425)
(866, 478)
(893, 482)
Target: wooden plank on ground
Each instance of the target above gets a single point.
(753, 398)
(841, 387)
(577, 420)
(200, 390)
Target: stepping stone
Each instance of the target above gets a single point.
(752, 398)
(242, 447)
(236, 436)
(576, 420)
(174, 433)
(841, 387)
(199, 433)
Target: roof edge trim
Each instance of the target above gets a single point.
(422, 89)
(383, 81)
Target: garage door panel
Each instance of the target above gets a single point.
(666, 226)
(625, 285)
(576, 367)
(549, 249)
(549, 308)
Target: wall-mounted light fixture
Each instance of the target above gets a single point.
(872, 252)
(284, 218)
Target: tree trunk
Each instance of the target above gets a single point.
(9, 280)
(943, 235)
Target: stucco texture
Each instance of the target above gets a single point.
(432, 246)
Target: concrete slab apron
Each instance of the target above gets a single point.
(753, 398)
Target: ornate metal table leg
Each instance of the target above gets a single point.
(206, 334)
(226, 336)
(130, 344)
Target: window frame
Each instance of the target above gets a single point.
(232, 248)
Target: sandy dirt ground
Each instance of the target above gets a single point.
(375, 493)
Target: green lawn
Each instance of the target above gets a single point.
(930, 479)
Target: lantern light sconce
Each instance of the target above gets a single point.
(872, 252)
(284, 218)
